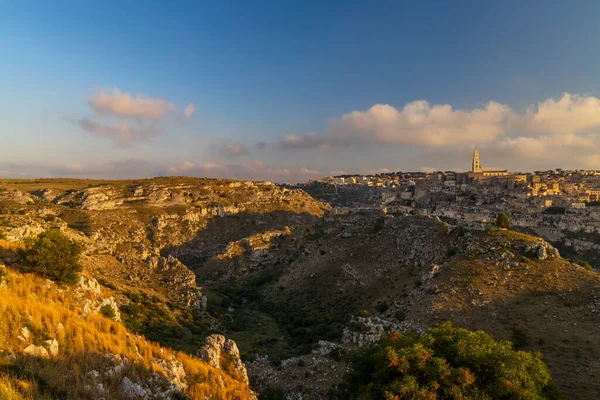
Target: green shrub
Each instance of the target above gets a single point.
(586, 265)
(106, 283)
(446, 363)
(502, 221)
(52, 255)
(107, 311)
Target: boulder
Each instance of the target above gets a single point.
(52, 346)
(541, 252)
(36, 351)
(217, 346)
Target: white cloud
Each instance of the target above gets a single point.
(418, 123)
(123, 133)
(549, 146)
(139, 117)
(570, 114)
(551, 132)
(123, 104)
(189, 111)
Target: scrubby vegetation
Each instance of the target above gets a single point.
(446, 363)
(502, 221)
(52, 255)
(51, 312)
(586, 265)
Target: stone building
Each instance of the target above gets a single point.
(478, 173)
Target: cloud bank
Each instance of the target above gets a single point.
(122, 104)
(549, 130)
(138, 117)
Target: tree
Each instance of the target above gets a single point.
(52, 255)
(446, 363)
(502, 221)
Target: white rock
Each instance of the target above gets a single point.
(133, 390)
(93, 374)
(25, 332)
(52, 346)
(36, 351)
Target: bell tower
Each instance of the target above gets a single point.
(476, 162)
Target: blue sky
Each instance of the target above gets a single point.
(295, 90)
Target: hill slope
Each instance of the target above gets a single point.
(53, 345)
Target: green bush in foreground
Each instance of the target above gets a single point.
(446, 363)
(52, 255)
(502, 221)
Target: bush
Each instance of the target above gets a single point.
(502, 221)
(107, 311)
(52, 255)
(586, 265)
(446, 362)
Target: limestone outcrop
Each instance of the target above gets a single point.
(222, 353)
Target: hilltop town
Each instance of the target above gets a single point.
(562, 206)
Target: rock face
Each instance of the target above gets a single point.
(133, 390)
(367, 330)
(541, 250)
(180, 281)
(218, 352)
(90, 291)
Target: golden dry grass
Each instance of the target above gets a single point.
(50, 311)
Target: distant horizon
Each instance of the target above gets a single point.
(14, 179)
(296, 91)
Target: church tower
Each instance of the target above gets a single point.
(476, 162)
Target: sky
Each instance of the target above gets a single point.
(288, 91)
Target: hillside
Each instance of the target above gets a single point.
(411, 273)
(54, 345)
(126, 229)
(295, 287)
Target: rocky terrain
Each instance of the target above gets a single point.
(348, 279)
(181, 259)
